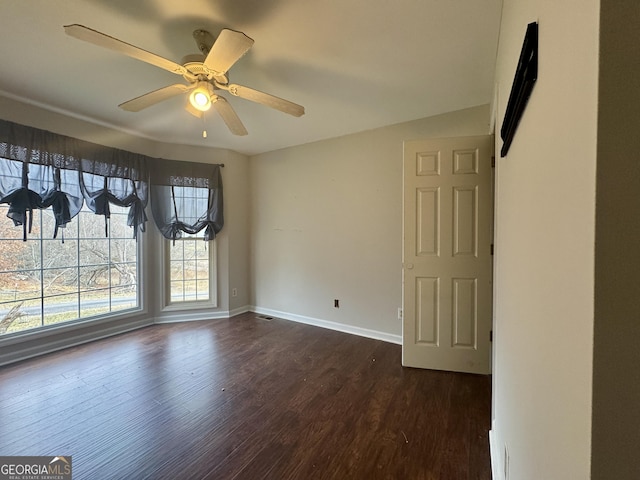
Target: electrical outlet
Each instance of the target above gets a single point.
(399, 313)
(234, 292)
(336, 303)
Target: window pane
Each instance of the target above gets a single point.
(18, 255)
(70, 230)
(94, 251)
(189, 269)
(190, 290)
(124, 250)
(203, 290)
(176, 270)
(93, 278)
(58, 254)
(189, 249)
(15, 316)
(94, 303)
(7, 229)
(60, 308)
(202, 252)
(91, 225)
(44, 281)
(123, 275)
(58, 281)
(201, 268)
(19, 286)
(118, 228)
(124, 301)
(177, 291)
(190, 272)
(48, 223)
(177, 250)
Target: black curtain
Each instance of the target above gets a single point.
(186, 198)
(41, 169)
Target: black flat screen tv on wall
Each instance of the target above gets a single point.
(526, 76)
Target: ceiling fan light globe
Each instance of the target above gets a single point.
(200, 97)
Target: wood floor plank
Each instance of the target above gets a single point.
(245, 398)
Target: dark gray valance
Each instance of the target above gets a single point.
(186, 198)
(41, 169)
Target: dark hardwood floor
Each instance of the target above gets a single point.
(245, 398)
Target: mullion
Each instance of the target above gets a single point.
(42, 297)
(184, 275)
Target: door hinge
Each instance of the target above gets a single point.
(491, 335)
(492, 249)
(493, 161)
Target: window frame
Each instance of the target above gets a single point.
(96, 319)
(171, 306)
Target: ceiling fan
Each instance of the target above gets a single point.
(205, 73)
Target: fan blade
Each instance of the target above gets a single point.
(227, 50)
(193, 111)
(151, 98)
(229, 116)
(93, 36)
(265, 99)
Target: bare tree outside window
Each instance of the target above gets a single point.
(188, 269)
(46, 281)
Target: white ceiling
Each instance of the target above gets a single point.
(354, 65)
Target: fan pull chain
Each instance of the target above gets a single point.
(204, 128)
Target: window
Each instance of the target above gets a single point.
(44, 281)
(190, 269)
(57, 186)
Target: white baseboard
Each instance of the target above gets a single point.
(196, 316)
(495, 457)
(173, 317)
(39, 343)
(177, 317)
(66, 336)
(340, 327)
(239, 311)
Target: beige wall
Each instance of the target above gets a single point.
(545, 230)
(616, 372)
(326, 223)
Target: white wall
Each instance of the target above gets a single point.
(326, 223)
(545, 219)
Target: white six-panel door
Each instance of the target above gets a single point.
(447, 263)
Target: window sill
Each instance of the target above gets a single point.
(30, 343)
(194, 305)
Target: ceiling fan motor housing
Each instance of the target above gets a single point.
(204, 40)
(196, 70)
